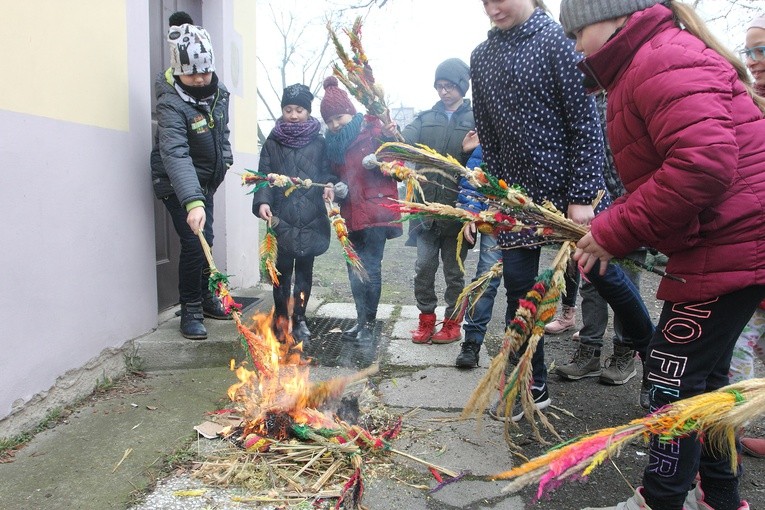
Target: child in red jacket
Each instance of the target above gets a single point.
(361, 194)
(688, 139)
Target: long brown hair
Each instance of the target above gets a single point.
(687, 18)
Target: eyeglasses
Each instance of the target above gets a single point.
(757, 53)
(446, 87)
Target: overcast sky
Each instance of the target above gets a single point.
(407, 39)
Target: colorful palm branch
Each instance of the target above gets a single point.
(527, 327)
(268, 250)
(218, 282)
(341, 231)
(716, 416)
(260, 180)
(356, 73)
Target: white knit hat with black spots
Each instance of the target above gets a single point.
(191, 51)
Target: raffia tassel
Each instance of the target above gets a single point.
(534, 311)
(715, 415)
(471, 294)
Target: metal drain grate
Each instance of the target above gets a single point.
(328, 349)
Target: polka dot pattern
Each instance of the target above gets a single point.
(537, 126)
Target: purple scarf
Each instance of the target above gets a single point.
(296, 134)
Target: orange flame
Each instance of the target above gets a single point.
(280, 382)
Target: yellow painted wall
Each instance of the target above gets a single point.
(67, 60)
(245, 130)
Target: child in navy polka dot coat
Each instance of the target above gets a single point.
(541, 131)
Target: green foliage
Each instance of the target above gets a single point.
(134, 364)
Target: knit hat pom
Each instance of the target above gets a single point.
(330, 81)
(335, 101)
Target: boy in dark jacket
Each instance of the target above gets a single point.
(442, 128)
(296, 148)
(189, 161)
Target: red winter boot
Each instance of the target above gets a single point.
(424, 330)
(450, 332)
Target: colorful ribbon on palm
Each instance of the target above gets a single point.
(358, 77)
(715, 416)
(269, 247)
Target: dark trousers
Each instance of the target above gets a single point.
(302, 268)
(690, 354)
(520, 268)
(595, 309)
(431, 243)
(369, 244)
(572, 280)
(192, 264)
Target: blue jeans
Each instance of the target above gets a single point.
(369, 244)
(477, 318)
(520, 269)
(595, 310)
(192, 262)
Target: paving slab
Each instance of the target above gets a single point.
(348, 311)
(404, 352)
(470, 446)
(431, 388)
(469, 493)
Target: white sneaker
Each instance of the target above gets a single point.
(636, 502)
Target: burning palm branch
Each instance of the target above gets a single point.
(260, 180)
(358, 77)
(527, 327)
(716, 416)
(341, 231)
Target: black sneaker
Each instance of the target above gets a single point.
(542, 401)
(468, 356)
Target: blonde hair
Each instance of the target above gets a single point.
(541, 5)
(687, 18)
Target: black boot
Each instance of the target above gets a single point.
(191, 321)
(366, 333)
(349, 335)
(300, 330)
(468, 356)
(212, 307)
(366, 348)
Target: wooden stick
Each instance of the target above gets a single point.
(447, 472)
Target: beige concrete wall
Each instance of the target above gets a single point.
(75, 198)
(70, 57)
(78, 257)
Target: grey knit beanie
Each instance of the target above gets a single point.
(455, 71)
(577, 14)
